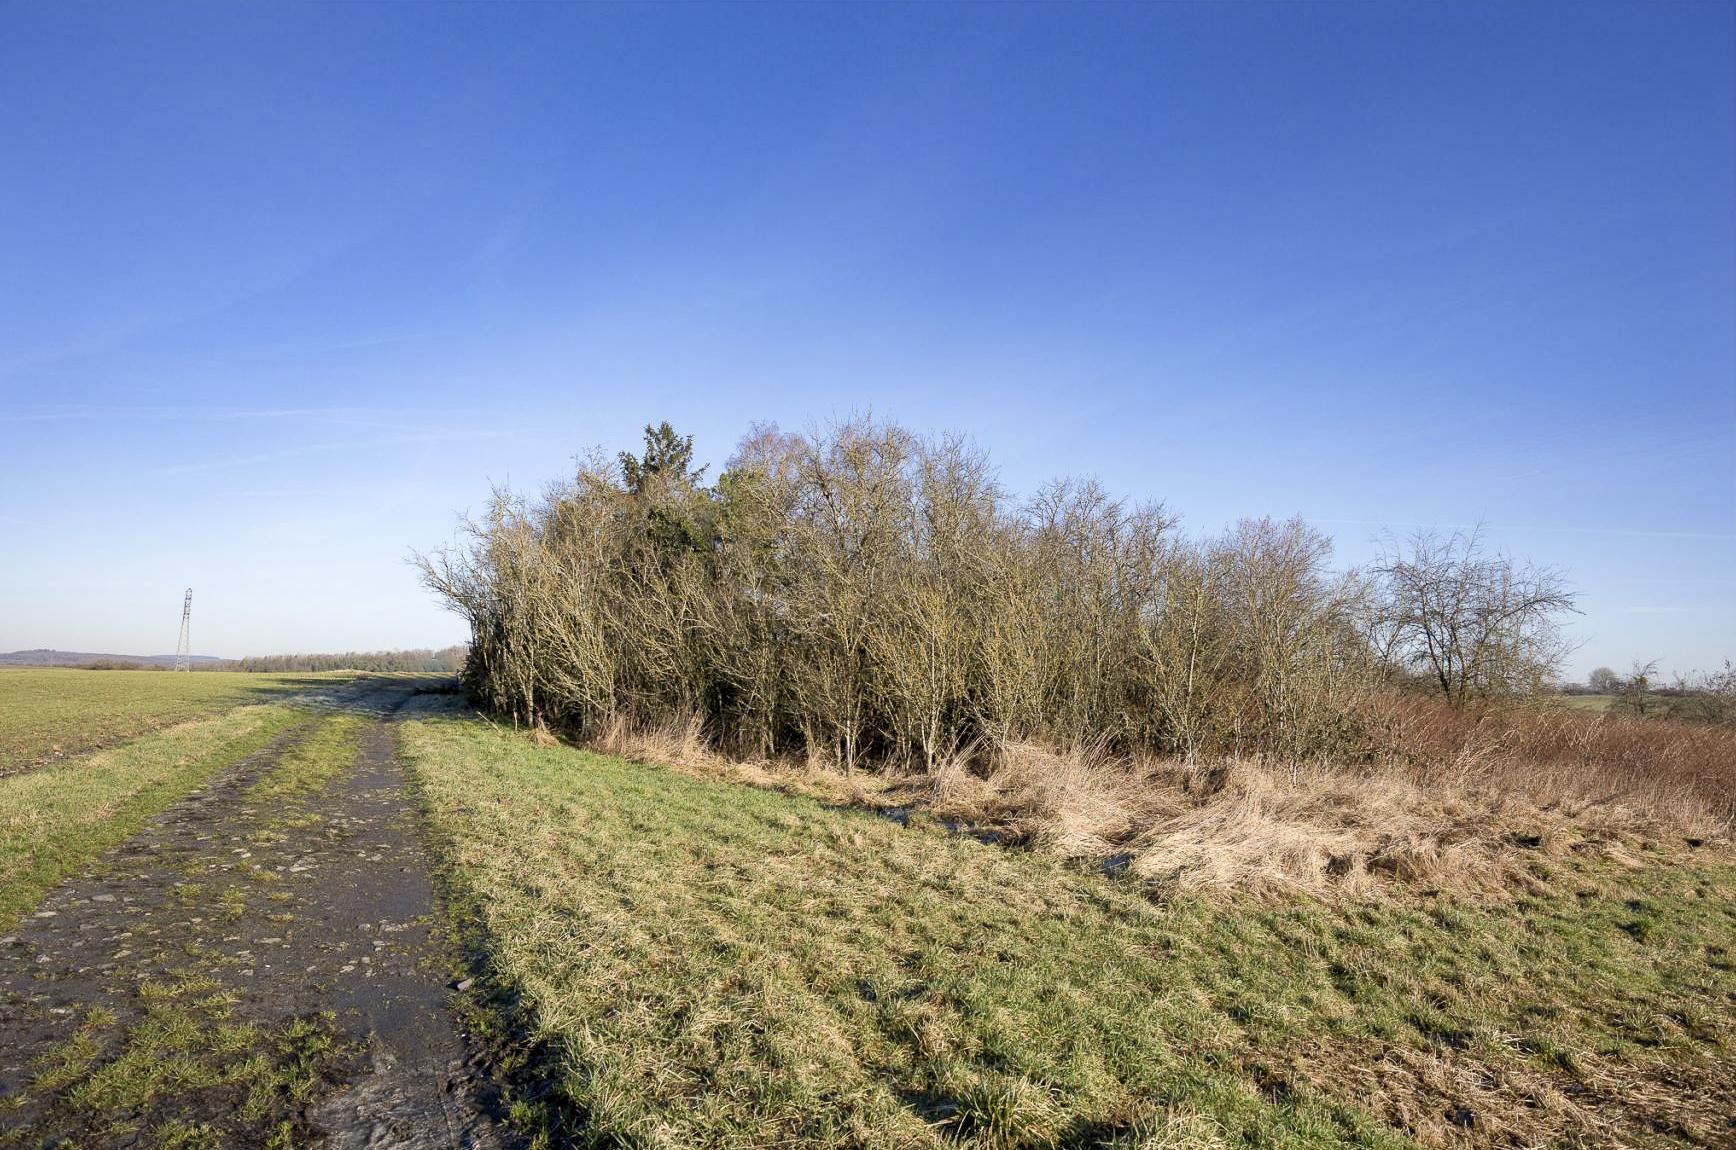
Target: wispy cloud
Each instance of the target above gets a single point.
(415, 438)
(1635, 533)
(252, 460)
(97, 413)
(1393, 524)
(274, 493)
(358, 344)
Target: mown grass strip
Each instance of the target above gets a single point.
(716, 966)
(54, 820)
(327, 752)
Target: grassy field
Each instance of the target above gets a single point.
(694, 963)
(56, 817)
(52, 712)
(1596, 704)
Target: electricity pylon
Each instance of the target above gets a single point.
(184, 649)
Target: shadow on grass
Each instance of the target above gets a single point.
(490, 1005)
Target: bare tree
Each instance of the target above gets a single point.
(1473, 624)
(1635, 696)
(1707, 697)
(1603, 681)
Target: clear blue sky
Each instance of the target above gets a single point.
(284, 288)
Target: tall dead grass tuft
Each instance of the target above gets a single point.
(1324, 830)
(1650, 777)
(1249, 825)
(677, 742)
(1082, 804)
(1475, 818)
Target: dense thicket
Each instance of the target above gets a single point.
(866, 593)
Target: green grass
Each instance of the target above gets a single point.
(55, 819)
(708, 965)
(186, 1071)
(327, 752)
(1597, 704)
(53, 712)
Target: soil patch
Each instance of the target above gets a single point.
(247, 973)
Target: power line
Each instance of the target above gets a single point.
(184, 649)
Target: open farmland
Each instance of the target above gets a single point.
(52, 712)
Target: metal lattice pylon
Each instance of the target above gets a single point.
(184, 649)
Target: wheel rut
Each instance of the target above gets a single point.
(248, 971)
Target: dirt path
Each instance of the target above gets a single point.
(246, 973)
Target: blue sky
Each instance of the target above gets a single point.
(285, 288)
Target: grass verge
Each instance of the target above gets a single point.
(1487, 800)
(56, 819)
(703, 964)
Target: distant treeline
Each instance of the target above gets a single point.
(863, 593)
(419, 659)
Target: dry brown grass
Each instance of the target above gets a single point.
(1325, 830)
(1473, 804)
(1648, 775)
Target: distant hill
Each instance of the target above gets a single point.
(42, 657)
